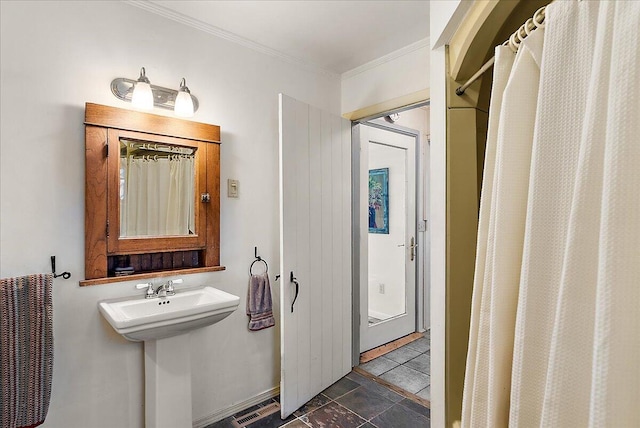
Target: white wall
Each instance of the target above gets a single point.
(395, 75)
(416, 118)
(57, 55)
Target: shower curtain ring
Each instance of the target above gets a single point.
(512, 44)
(529, 26)
(538, 17)
(522, 32)
(516, 37)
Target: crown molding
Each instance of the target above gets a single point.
(424, 43)
(223, 34)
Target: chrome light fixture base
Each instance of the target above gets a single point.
(164, 98)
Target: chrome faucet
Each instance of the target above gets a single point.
(169, 287)
(149, 293)
(163, 290)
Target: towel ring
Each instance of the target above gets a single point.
(266, 266)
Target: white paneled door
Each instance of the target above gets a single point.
(315, 251)
(388, 245)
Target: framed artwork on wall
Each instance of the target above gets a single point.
(379, 200)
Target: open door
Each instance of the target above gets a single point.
(315, 251)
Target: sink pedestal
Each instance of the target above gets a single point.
(167, 389)
(164, 324)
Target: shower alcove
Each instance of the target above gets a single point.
(486, 25)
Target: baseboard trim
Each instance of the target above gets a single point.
(232, 410)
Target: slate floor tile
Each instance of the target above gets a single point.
(425, 393)
(408, 379)
(364, 403)
(421, 345)
(418, 408)
(357, 377)
(379, 365)
(381, 390)
(297, 423)
(399, 416)
(357, 399)
(333, 415)
(402, 354)
(340, 388)
(420, 363)
(313, 404)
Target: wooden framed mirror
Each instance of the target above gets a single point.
(152, 192)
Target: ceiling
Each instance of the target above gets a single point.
(334, 36)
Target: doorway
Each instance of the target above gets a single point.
(388, 249)
(391, 242)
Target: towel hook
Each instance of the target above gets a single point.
(64, 275)
(258, 259)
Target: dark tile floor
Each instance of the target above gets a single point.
(407, 367)
(352, 402)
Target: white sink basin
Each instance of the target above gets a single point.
(137, 318)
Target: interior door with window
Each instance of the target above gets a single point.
(387, 210)
(315, 251)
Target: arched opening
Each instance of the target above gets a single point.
(486, 25)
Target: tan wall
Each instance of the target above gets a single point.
(464, 150)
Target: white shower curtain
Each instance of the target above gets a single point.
(158, 198)
(555, 333)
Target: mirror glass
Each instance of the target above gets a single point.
(387, 232)
(157, 185)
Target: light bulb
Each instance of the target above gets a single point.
(183, 104)
(142, 97)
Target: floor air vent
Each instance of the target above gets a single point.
(256, 415)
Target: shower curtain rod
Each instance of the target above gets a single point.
(537, 21)
(162, 156)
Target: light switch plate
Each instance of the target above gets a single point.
(233, 188)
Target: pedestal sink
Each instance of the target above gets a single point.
(164, 323)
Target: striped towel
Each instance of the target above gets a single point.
(26, 350)
(259, 304)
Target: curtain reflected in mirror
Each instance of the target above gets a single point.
(157, 183)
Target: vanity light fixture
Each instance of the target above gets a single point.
(142, 97)
(157, 96)
(184, 103)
